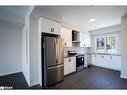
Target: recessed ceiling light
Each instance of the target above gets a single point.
(92, 19)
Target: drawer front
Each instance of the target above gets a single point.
(54, 75)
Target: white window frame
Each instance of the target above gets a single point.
(99, 51)
(105, 48)
(116, 48)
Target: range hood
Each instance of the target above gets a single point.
(75, 36)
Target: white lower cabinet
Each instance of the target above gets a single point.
(116, 62)
(107, 61)
(69, 65)
(94, 59)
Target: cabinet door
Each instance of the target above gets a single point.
(54, 27)
(66, 67)
(49, 26)
(85, 40)
(89, 59)
(86, 61)
(98, 60)
(94, 59)
(82, 44)
(67, 35)
(72, 64)
(69, 65)
(115, 62)
(103, 61)
(106, 61)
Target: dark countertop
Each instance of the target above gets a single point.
(69, 56)
(76, 55)
(92, 54)
(107, 54)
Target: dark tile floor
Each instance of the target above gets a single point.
(93, 78)
(90, 78)
(17, 81)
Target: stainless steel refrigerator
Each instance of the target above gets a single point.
(52, 60)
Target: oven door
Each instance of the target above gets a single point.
(79, 61)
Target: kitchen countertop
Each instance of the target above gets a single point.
(76, 55)
(91, 54)
(107, 54)
(69, 56)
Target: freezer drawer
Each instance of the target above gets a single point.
(55, 74)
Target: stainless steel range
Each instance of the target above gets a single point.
(80, 59)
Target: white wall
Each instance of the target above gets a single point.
(111, 30)
(25, 46)
(70, 26)
(105, 30)
(25, 57)
(10, 50)
(124, 47)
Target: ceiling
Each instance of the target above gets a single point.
(13, 16)
(79, 15)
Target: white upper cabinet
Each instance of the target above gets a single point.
(82, 44)
(85, 40)
(66, 33)
(49, 26)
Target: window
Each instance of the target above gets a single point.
(100, 44)
(106, 44)
(110, 44)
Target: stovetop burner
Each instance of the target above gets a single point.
(80, 55)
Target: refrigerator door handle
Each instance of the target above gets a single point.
(55, 66)
(56, 48)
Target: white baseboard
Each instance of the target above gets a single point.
(28, 81)
(124, 77)
(106, 67)
(34, 83)
(8, 73)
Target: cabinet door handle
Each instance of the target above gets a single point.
(94, 55)
(52, 29)
(65, 43)
(69, 60)
(111, 57)
(102, 56)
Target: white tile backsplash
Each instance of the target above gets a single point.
(79, 50)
